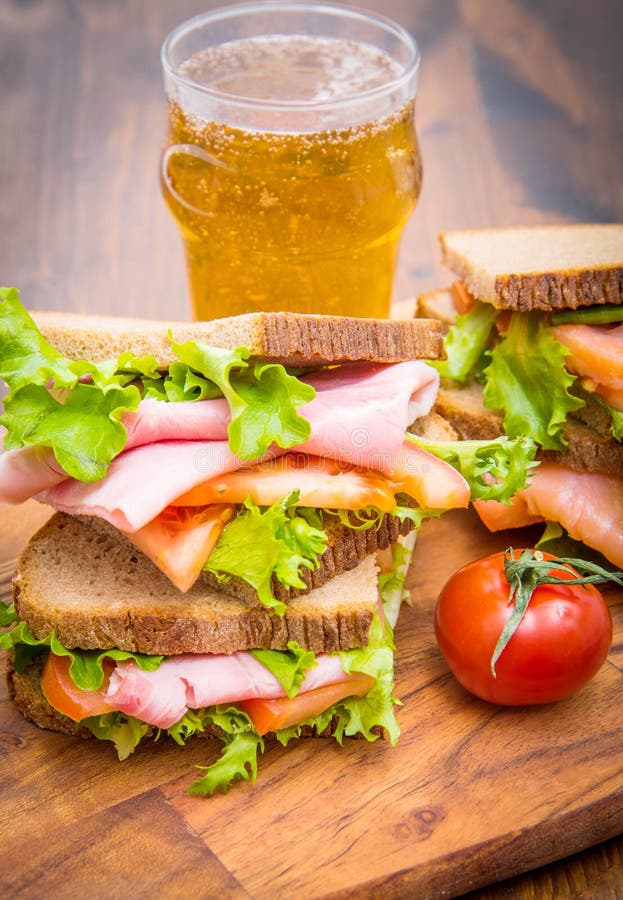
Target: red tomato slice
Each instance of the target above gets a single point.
(61, 692)
(322, 483)
(500, 516)
(270, 715)
(429, 480)
(180, 539)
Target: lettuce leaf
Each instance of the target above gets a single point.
(362, 715)
(391, 584)
(25, 356)
(84, 428)
(289, 667)
(527, 379)
(86, 666)
(85, 431)
(494, 470)
(125, 732)
(365, 716)
(76, 407)
(263, 398)
(466, 341)
(258, 544)
(617, 423)
(238, 758)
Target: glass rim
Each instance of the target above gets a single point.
(344, 12)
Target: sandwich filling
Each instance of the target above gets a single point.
(543, 370)
(123, 696)
(221, 462)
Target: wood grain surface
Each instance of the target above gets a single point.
(520, 121)
(472, 793)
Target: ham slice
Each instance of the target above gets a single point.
(28, 471)
(360, 414)
(192, 681)
(141, 482)
(588, 505)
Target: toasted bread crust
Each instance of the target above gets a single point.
(560, 290)
(294, 339)
(80, 578)
(542, 268)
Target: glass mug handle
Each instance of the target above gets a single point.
(188, 150)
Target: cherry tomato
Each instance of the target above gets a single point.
(559, 645)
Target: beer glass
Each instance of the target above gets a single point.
(291, 163)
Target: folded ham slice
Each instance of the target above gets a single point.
(192, 681)
(360, 414)
(141, 482)
(26, 472)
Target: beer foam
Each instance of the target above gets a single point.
(291, 68)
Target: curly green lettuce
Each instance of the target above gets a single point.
(76, 407)
(494, 470)
(466, 341)
(263, 397)
(264, 542)
(527, 379)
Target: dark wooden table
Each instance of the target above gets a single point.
(520, 121)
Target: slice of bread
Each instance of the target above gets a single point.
(437, 304)
(546, 267)
(295, 339)
(83, 580)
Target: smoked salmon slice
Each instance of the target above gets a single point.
(596, 354)
(588, 505)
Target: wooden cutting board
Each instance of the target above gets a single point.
(472, 794)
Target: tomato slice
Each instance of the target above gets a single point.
(180, 539)
(66, 697)
(321, 482)
(429, 480)
(270, 715)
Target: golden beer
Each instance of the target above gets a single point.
(287, 215)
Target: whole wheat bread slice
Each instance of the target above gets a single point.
(295, 339)
(546, 267)
(346, 549)
(80, 578)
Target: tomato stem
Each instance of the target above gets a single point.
(530, 571)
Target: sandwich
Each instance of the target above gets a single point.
(235, 506)
(534, 347)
